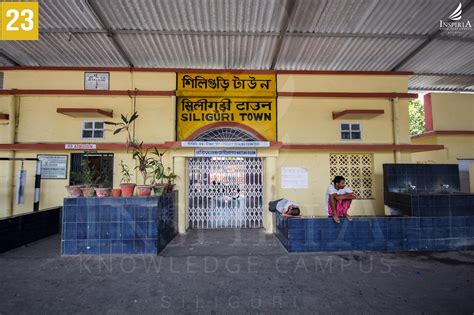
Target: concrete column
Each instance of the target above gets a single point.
(270, 186)
(179, 163)
(10, 174)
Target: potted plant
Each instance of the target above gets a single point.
(74, 191)
(144, 164)
(102, 190)
(158, 173)
(171, 178)
(126, 188)
(89, 177)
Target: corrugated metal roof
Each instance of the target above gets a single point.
(195, 15)
(441, 83)
(56, 49)
(341, 53)
(236, 34)
(441, 56)
(199, 51)
(370, 16)
(67, 14)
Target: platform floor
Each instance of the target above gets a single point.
(235, 271)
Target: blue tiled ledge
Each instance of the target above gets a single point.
(132, 225)
(377, 234)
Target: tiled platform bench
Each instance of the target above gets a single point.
(376, 234)
(133, 225)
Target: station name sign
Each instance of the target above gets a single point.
(212, 100)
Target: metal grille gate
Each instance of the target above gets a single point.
(225, 192)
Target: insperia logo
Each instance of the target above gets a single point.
(455, 24)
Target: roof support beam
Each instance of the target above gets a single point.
(289, 9)
(9, 58)
(101, 18)
(428, 40)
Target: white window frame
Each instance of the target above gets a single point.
(350, 130)
(83, 127)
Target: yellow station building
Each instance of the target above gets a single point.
(313, 125)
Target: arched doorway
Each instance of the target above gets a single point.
(225, 191)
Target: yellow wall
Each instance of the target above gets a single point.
(312, 199)
(39, 121)
(341, 83)
(300, 121)
(452, 111)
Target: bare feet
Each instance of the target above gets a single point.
(348, 217)
(336, 219)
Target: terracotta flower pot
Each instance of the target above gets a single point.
(103, 192)
(88, 191)
(127, 189)
(159, 189)
(144, 190)
(74, 191)
(169, 188)
(116, 192)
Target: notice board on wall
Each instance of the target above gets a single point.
(53, 166)
(294, 178)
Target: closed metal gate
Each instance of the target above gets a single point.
(225, 192)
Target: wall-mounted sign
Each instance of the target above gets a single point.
(80, 146)
(96, 81)
(227, 152)
(226, 99)
(226, 84)
(257, 113)
(53, 166)
(294, 178)
(225, 144)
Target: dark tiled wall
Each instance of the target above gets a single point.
(26, 228)
(377, 234)
(134, 225)
(426, 177)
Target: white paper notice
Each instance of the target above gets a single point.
(294, 178)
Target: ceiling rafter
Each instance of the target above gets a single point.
(108, 29)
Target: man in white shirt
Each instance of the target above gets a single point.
(286, 207)
(338, 199)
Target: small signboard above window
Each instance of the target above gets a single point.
(96, 81)
(53, 166)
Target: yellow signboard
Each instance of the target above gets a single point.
(210, 100)
(226, 84)
(256, 115)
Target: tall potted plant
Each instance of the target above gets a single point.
(144, 166)
(126, 187)
(158, 172)
(88, 176)
(124, 126)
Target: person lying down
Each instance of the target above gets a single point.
(286, 207)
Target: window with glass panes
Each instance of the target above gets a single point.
(92, 129)
(351, 131)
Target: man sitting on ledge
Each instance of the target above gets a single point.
(338, 199)
(286, 207)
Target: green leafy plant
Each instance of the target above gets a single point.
(124, 126)
(170, 177)
(158, 170)
(88, 175)
(144, 162)
(126, 174)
